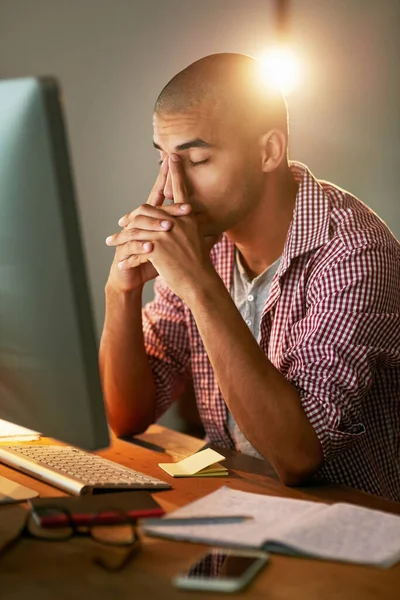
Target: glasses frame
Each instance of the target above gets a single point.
(75, 530)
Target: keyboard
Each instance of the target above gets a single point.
(76, 471)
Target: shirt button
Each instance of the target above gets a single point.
(248, 322)
(250, 297)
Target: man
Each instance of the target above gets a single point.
(289, 328)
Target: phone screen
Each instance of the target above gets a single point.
(220, 565)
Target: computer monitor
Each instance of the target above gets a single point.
(49, 379)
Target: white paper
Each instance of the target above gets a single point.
(9, 432)
(341, 532)
(268, 514)
(348, 533)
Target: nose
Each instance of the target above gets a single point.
(168, 193)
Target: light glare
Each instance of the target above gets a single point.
(280, 68)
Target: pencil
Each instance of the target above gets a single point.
(206, 520)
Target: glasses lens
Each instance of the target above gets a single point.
(122, 534)
(50, 524)
(113, 527)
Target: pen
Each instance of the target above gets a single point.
(212, 520)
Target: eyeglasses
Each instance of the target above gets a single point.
(110, 527)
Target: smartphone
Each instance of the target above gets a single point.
(222, 570)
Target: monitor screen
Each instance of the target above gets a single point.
(49, 379)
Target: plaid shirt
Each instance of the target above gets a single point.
(330, 325)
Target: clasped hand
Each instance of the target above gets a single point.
(164, 239)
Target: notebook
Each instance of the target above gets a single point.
(9, 432)
(340, 532)
(11, 491)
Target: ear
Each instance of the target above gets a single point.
(273, 146)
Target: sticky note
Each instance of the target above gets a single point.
(201, 464)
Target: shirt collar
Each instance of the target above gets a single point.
(308, 230)
(261, 279)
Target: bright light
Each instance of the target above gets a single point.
(280, 68)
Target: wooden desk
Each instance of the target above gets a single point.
(63, 570)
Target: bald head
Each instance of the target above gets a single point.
(232, 84)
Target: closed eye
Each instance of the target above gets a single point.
(199, 162)
(192, 163)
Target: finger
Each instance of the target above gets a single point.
(139, 229)
(141, 226)
(133, 235)
(178, 185)
(134, 249)
(149, 217)
(149, 230)
(163, 222)
(132, 261)
(156, 197)
(155, 212)
(176, 210)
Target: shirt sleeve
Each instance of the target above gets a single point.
(166, 342)
(350, 329)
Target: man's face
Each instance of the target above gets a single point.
(222, 169)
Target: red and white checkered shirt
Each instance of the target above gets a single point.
(330, 325)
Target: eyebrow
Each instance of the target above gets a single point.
(196, 143)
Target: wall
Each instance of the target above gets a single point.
(114, 56)
(346, 119)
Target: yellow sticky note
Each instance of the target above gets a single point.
(216, 470)
(201, 464)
